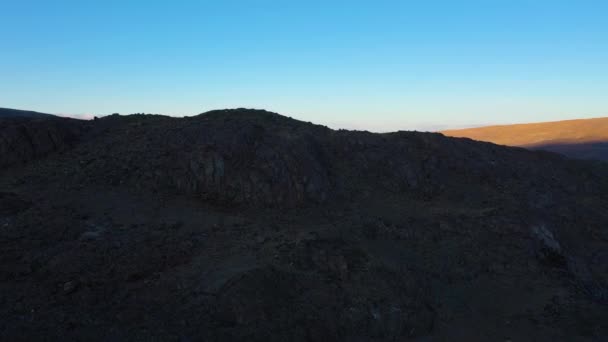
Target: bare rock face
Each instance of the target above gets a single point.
(247, 157)
(25, 139)
(550, 250)
(255, 165)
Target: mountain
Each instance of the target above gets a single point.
(16, 113)
(583, 139)
(248, 225)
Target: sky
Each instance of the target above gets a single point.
(375, 65)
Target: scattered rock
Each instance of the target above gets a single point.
(550, 250)
(69, 287)
(90, 236)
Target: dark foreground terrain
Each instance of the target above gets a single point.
(244, 225)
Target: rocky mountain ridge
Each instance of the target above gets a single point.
(245, 224)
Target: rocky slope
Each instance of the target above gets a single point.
(583, 139)
(17, 113)
(247, 225)
(24, 139)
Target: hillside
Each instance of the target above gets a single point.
(248, 225)
(16, 113)
(583, 139)
(25, 138)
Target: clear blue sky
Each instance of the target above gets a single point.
(379, 65)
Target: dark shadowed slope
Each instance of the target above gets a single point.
(583, 139)
(24, 138)
(16, 113)
(245, 225)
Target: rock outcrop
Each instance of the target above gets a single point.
(26, 139)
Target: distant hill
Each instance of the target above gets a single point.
(583, 139)
(17, 113)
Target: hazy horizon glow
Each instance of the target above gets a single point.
(380, 66)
